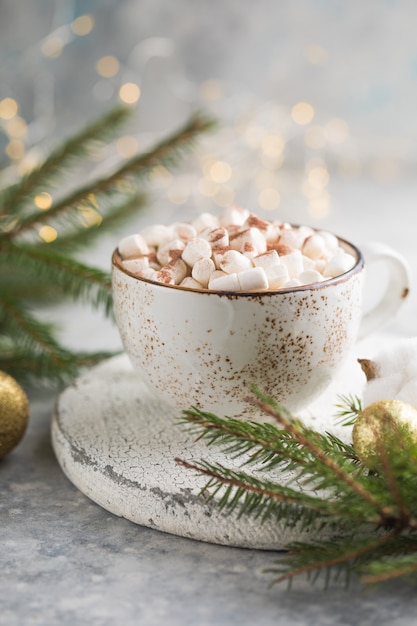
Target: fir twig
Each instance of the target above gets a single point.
(375, 512)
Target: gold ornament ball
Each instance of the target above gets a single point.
(14, 413)
(379, 424)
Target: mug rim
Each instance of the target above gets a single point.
(357, 267)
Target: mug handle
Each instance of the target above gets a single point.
(396, 291)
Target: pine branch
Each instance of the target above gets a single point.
(71, 151)
(73, 278)
(112, 219)
(166, 153)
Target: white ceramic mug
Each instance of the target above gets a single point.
(206, 349)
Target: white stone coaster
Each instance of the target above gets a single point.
(117, 443)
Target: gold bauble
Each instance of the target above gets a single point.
(379, 425)
(14, 413)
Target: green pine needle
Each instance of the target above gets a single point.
(33, 271)
(295, 475)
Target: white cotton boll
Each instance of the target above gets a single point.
(294, 263)
(254, 279)
(227, 282)
(386, 388)
(233, 261)
(202, 271)
(184, 231)
(408, 393)
(169, 251)
(157, 235)
(135, 266)
(196, 249)
(133, 245)
(393, 373)
(205, 220)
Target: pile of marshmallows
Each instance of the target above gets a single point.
(237, 251)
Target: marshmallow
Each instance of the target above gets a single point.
(157, 235)
(190, 283)
(204, 221)
(196, 249)
(310, 276)
(290, 284)
(293, 262)
(237, 252)
(339, 264)
(314, 247)
(277, 275)
(228, 282)
(148, 273)
(234, 215)
(233, 261)
(135, 266)
(133, 245)
(253, 279)
(165, 277)
(216, 236)
(184, 231)
(202, 271)
(249, 235)
(178, 269)
(266, 259)
(170, 250)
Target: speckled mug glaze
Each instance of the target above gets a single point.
(206, 349)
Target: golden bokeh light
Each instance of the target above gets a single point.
(318, 176)
(107, 66)
(337, 130)
(178, 193)
(319, 206)
(52, 47)
(269, 198)
(15, 149)
(273, 145)
(207, 187)
(220, 172)
(8, 108)
(82, 25)
(90, 216)
(129, 93)
(316, 55)
(302, 113)
(224, 196)
(16, 127)
(160, 176)
(127, 146)
(48, 233)
(211, 90)
(43, 200)
(253, 135)
(315, 137)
